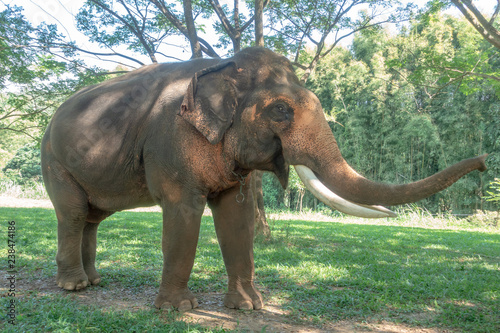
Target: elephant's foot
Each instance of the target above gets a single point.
(244, 298)
(182, 300)
(93, 276)
(72, 281)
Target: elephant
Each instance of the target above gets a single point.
(189, 134)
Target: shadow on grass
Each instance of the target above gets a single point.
(63, 314)
(316, 271)
(418, 276)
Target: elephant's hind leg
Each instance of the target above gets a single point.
(70, 272)
(71, 206)
(89, 243)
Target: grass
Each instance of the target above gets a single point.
(319, 272)
(64, 315)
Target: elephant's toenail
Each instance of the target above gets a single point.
(246, 305)
(185, 305)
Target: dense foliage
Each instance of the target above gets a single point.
(25, 166)
(37, 73)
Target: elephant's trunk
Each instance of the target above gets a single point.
(348, 184)
(324, 194)
(325, 160)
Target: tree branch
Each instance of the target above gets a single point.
(495, 13)
(133, 29)
(259, 25)
(22, 131)
(28, 114)
(205, 47)
(193, 37)
(465, 73)
(74, 47)
(251, 19)
(223, 18)
(485, 28)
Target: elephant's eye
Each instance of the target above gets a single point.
(280, 112)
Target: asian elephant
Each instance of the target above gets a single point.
(185, 134)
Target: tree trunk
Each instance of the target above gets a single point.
(302, 192)
(193, 37)
(261, 225)
(259, 23)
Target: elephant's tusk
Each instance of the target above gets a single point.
(329, 198)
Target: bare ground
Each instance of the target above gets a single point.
(211, 313)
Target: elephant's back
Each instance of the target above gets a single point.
(101, 128)
(124, 101)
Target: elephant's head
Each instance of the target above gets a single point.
(270, 121)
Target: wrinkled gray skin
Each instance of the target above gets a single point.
(182, 135)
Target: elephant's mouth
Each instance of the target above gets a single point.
(331, 199)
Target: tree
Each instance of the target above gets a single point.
(436, 64)
(131, 22)
(453, 52)
(36, 73)
(325, 23)
(395, 129)
(174, 19)
(192, 35)
(486, 27)
(25, 166)
(259, 23)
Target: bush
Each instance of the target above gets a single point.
(494, 194)
(30, 190)
(273, 192)
(25, 166)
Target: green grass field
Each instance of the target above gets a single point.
(317, 272)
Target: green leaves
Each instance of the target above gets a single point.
(449, 51)
(297, 25)
(37, 72)
(135, 24)
(25, 165)
(494, 194)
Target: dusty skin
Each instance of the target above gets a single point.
(211, 314)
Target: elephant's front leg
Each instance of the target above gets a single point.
(234, 223)
(181, 227)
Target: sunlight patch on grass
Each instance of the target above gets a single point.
(318, 272)
(435, 247)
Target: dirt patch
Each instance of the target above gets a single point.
(45, 203)
(24, 203)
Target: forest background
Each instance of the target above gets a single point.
(407, 88)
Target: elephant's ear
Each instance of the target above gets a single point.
(210, 101)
